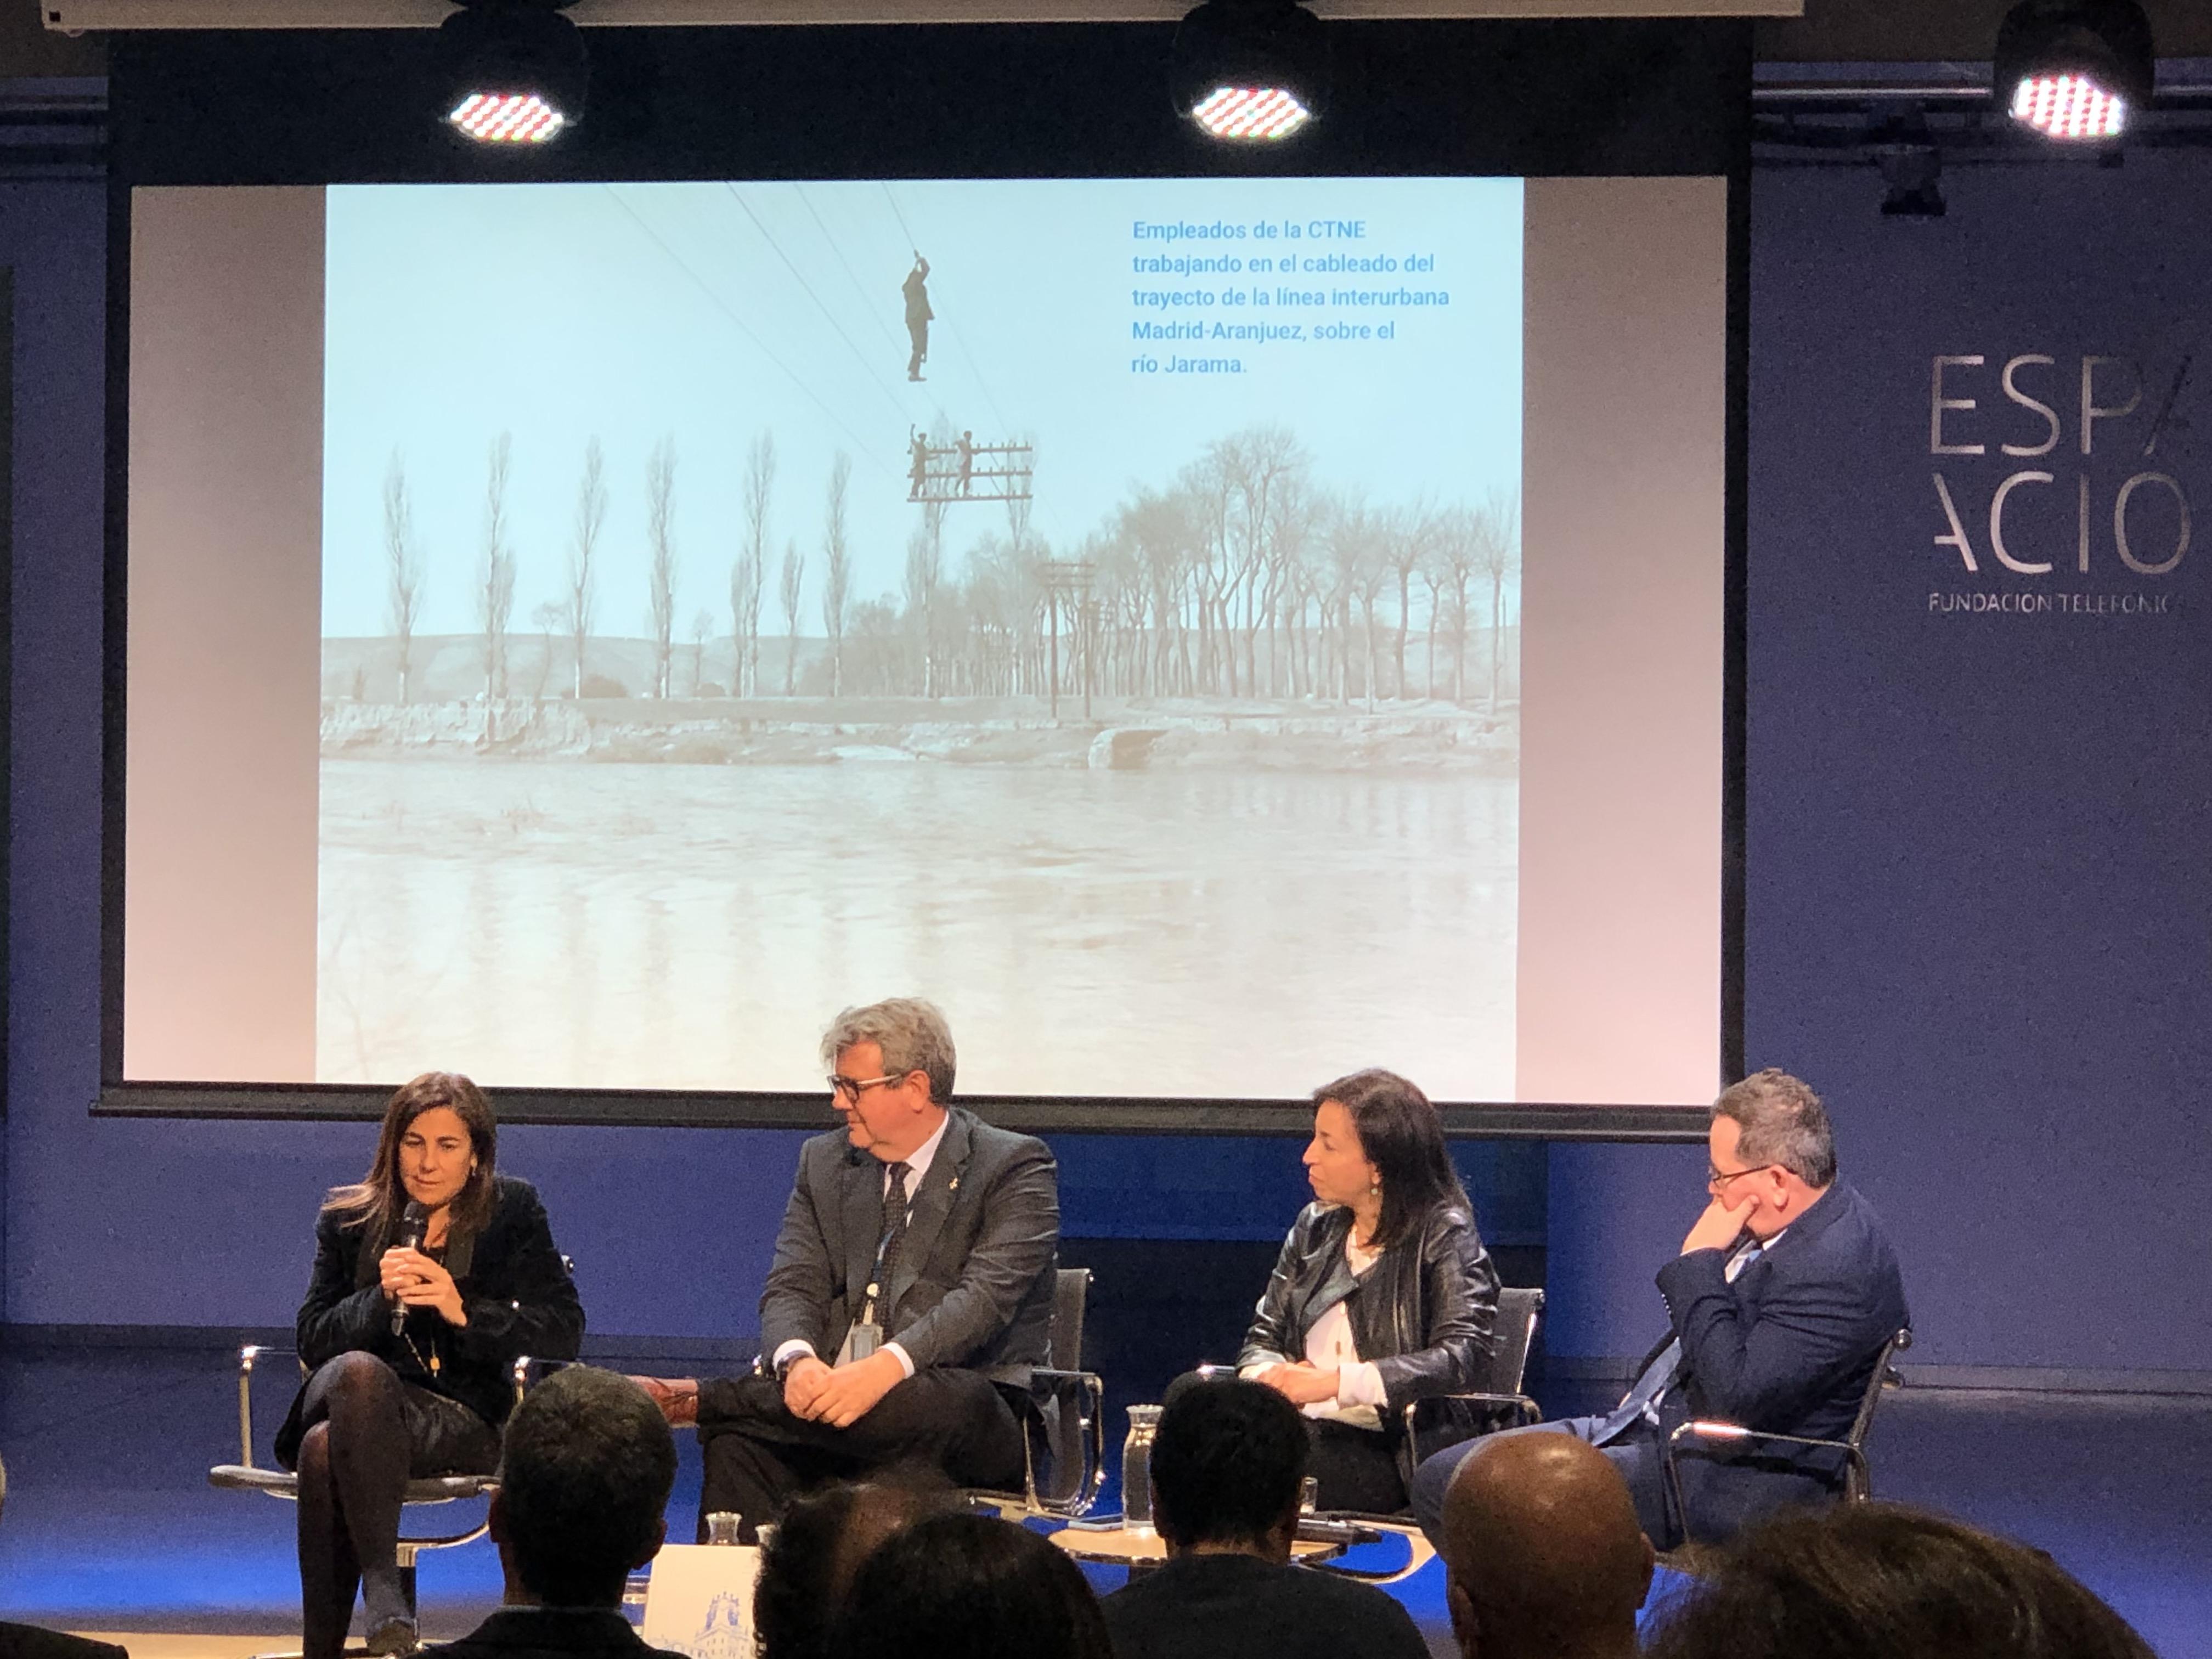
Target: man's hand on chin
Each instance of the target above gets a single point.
(851, 1391)
(1719, 1226)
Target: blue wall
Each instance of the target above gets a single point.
(1977, 914)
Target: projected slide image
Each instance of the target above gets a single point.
(1092, 605)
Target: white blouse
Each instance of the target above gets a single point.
(1330, 1343)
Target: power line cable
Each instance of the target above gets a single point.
(738, 322)
(866, 368)
(836, 253)
(1005, 425)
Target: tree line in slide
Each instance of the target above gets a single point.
(1242, 578)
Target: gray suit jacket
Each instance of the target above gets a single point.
(975, 1282)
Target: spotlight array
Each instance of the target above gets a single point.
(1249, 71)
(515, 71)
(2071, 70)
(514, 118)
(2067, 107)
(1250, 112)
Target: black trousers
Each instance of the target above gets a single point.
(1353, 1468)
(758, 1457)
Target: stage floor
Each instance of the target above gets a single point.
(110, 1524)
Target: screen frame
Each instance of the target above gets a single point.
(185, 111)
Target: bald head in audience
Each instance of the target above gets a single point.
(1546, 1557)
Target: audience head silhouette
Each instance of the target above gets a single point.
(807, 1570)
(1543, 1550)
(1879, 1579)
(970, 1585)
(1228, 1461)
(583, 1486)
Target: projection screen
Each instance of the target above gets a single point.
(1208, 635)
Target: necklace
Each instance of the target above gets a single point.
(430, 1364)
(432, 1361)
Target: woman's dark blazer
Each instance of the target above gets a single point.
(515, 1287)
(1423, 1313)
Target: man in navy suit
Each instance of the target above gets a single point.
(1781, 1301)
(911, 1293)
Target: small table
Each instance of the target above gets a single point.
(1141, 1550)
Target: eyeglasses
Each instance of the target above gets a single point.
(852, 1088)
(1718, 1179)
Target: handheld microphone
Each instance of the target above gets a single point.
(414, 1222)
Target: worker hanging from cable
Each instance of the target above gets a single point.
(966, 448)
(918, 313)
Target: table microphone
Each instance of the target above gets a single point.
(414, 1222)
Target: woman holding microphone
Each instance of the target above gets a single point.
(433, 1275)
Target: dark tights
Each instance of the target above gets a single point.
(353, 1467)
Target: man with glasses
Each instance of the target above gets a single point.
(910, 1295)
(1781, 1301)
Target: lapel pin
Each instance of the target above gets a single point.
(954, 1186)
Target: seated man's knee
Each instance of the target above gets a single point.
(1641, 1467)
(1433, 1478)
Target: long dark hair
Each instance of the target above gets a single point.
(376, 1199)
(1402, 1136)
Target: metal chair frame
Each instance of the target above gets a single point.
(1858, 1481)
(1522, 1409)
(1061, 1389)
(1352, 1527)
(246, 1475)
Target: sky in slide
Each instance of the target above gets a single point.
(708, 313)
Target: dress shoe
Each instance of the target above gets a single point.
(676, 1396)
(395, 1635)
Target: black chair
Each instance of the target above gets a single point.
(1504, 1373)
(1858, 1483)
(246, 1475)
(1064, 1430)
(1501, 1396)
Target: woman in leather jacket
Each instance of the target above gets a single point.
(433, 1275)
(1383, 1293)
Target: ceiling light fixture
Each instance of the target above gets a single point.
(515, 71)
(1249, 71)
(2073, 69)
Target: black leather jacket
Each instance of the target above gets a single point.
(1423, 1314)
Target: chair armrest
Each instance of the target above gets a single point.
(1856, 1478)
(248, 1356)
(1057, 1379)
(520, 1372)
(1707, 1428)
(1520, 1404)
(1086, 1392)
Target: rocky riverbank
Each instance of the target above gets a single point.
(785, 731)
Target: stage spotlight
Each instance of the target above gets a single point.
(1250, 70)
(515, 72)
(2073, 69)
